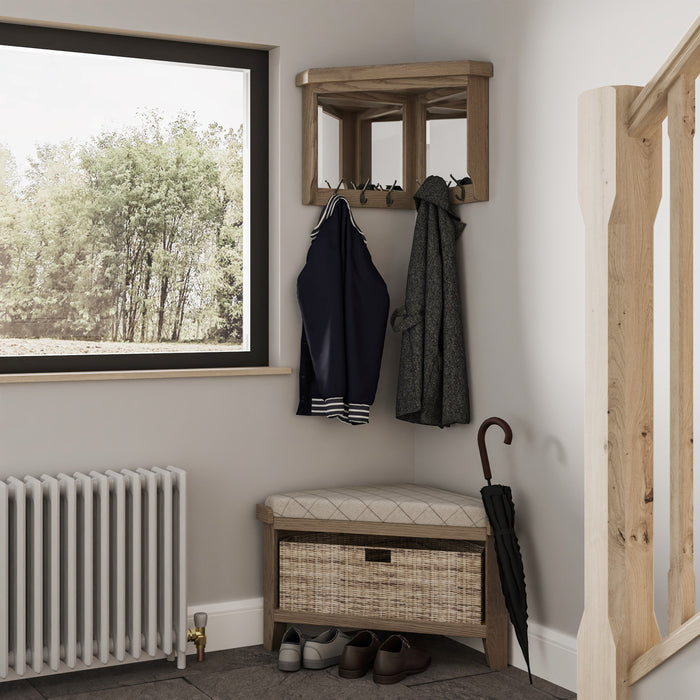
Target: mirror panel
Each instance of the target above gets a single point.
(446, 147)
(365, 132)
(387, 153)
(446, 132)
(328, 148)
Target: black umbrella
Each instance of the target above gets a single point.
(498, 503)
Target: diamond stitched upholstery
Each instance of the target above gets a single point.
(396, 503)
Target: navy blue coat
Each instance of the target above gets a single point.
(344, 307)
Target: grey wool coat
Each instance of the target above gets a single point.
(432, 387)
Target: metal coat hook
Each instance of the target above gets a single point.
(330, 187)
(363, 199)
(389, 200)
(462, 197)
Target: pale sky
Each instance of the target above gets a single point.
(50, 96)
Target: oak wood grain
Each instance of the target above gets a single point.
(675, 641)
(421, 627)
(681, 128)
(273, 629)
(650, 106)
(496, 638)
(478, 136)
(477, 534)
(142, 374)
(434, 69)
(619, 193)
(309, 140)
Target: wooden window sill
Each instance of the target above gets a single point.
(141, 374)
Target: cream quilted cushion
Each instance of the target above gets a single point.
(396, 503)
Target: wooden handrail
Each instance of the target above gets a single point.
(649, 108)
(664, 650)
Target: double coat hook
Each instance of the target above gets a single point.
(458, 183)
(368, 186)
(335, 191)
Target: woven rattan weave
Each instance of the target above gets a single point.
(391, 578)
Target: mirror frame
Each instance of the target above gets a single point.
(412, 83)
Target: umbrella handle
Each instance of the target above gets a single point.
(481, 439)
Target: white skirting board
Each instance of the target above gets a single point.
(235, 623)
(239, 623)
(552, 654)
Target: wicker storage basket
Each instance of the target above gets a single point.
(388, 578)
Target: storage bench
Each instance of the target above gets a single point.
(403, 557)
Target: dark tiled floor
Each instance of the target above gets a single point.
(456, 672)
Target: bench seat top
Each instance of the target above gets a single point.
(394, 503)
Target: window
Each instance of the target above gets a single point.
(133, 203)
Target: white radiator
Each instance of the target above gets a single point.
(92, 570)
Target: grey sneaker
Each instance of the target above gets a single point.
(325, 649)
(291, 649)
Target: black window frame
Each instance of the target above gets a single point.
(178, 51)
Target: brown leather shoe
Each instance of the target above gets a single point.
(396, 659)
(358, 655)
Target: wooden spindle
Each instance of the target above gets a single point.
(681, 128)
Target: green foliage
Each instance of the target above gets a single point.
(136, 235)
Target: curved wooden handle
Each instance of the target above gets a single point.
(481, 439)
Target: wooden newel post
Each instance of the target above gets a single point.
(619, 194)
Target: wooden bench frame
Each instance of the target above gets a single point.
(493, 631)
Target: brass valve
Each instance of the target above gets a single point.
(198, 634)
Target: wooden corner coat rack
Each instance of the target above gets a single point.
(411, 92)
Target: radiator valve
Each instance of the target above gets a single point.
(198, 635)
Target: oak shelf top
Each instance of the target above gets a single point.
(433, 69)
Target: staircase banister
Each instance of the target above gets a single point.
(650, 107)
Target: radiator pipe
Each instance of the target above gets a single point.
(198, 635)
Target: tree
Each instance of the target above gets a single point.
(160, 202)
(135, 235)
(49, 288)
(229, 250)
(10, 211)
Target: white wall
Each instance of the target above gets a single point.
(238, 437)
(524, 278)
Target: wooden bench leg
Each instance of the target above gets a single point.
(496, 640)
(272, 631)
(272, 634)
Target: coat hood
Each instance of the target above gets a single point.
(434, 190)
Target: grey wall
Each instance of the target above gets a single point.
(523, 256)
(238, 437)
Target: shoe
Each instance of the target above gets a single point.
(291, 648)
(325, 649)
(396, 659)
(358, 655)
